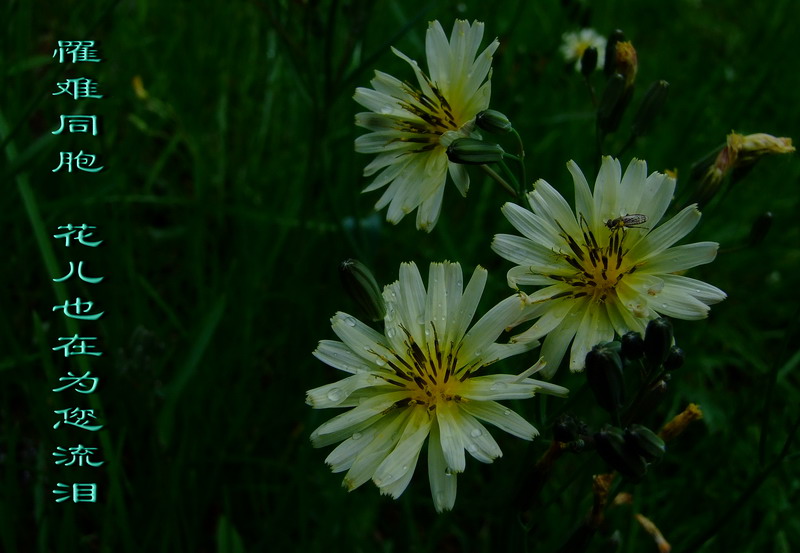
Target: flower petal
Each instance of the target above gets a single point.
(442, 480)
(501, 417)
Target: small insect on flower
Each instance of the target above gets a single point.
(626, 221)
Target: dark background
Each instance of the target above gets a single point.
(232, 191)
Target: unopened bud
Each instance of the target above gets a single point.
(471, 151)
(753, 146)
(612, 104)
(650, 107)
(358, 282)
(675, 359)
(610, 445)
(657, 340)
(604, 374)
(632, 346)
(565, 429)
(610, 62)
(760, 228)
(589, 61)
(493, 121)
(645, 442)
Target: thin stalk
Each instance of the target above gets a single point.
(491, 172)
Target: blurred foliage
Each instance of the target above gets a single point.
(231, 194)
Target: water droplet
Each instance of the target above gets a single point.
(459, 283)
(356, 436)
(350, 321)
(427, 331)
(498, 386)
(380, 362)
(420, 320)
(507, 412)
(335, 394)
(472, 448)
(390, 332)
(476, 432)
(394, 295)
(448, 472)
(404, 469)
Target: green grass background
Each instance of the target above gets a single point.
(232, 192)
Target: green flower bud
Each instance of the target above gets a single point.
(615, 99)
(604, 373)
(474, 152)
(358, 282)
(589, 61)
(610, 445)
(493, 121)
(632, 346)
(644, 442)
(657, 340)
(650, 107)
(675, 359)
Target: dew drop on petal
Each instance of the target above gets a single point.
(350, 321)
(390, 332)
(497, 386)
(356, 436)
(472, 448)
(335, 394)
(476, 432)
(507, 412)
(448, 472)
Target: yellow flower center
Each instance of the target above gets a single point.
(436, 115)
(600, 266)
(430, 376)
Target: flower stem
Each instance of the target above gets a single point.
(491, 172)
(521, 157)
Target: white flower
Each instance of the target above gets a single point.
(412, 127)
(607, 268)
(419, 379)
(574, 44)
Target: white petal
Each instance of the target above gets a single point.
(460, 177)
(345, 425)
(489, 327)
(478, 440)
(556, 311)
(343, 455)
(429, 210)
(657, 195)
(523, 251)
(332, 395)
(584, 204)
(681, 258)
(523, 275)
(383, 442)
(497, 387)
(502, 417)
(632, 187)
(674, 302)
(442, 479)
(411, 301)
(339, 356)
(467, 306)
(389, 173)
(450, 436)
(667, 234)
(401, 461)
(704, 292)
(527, 224)
(555, 345)
(547, 202)
(595, 328)
(363, 340)
(606, 191)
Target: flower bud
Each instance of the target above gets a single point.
(589, 61)
(604, 373)
(632, 346)
(675, 359)
(657, 340)
(650, 107)
(610, 445)
(753, 146)
(565, 429)
(610, 62)
(645, 442)
(493, 121)
(358, 282)
(471, 151)
(612, 104)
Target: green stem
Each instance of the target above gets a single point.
(521, 157)
(492, 173)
